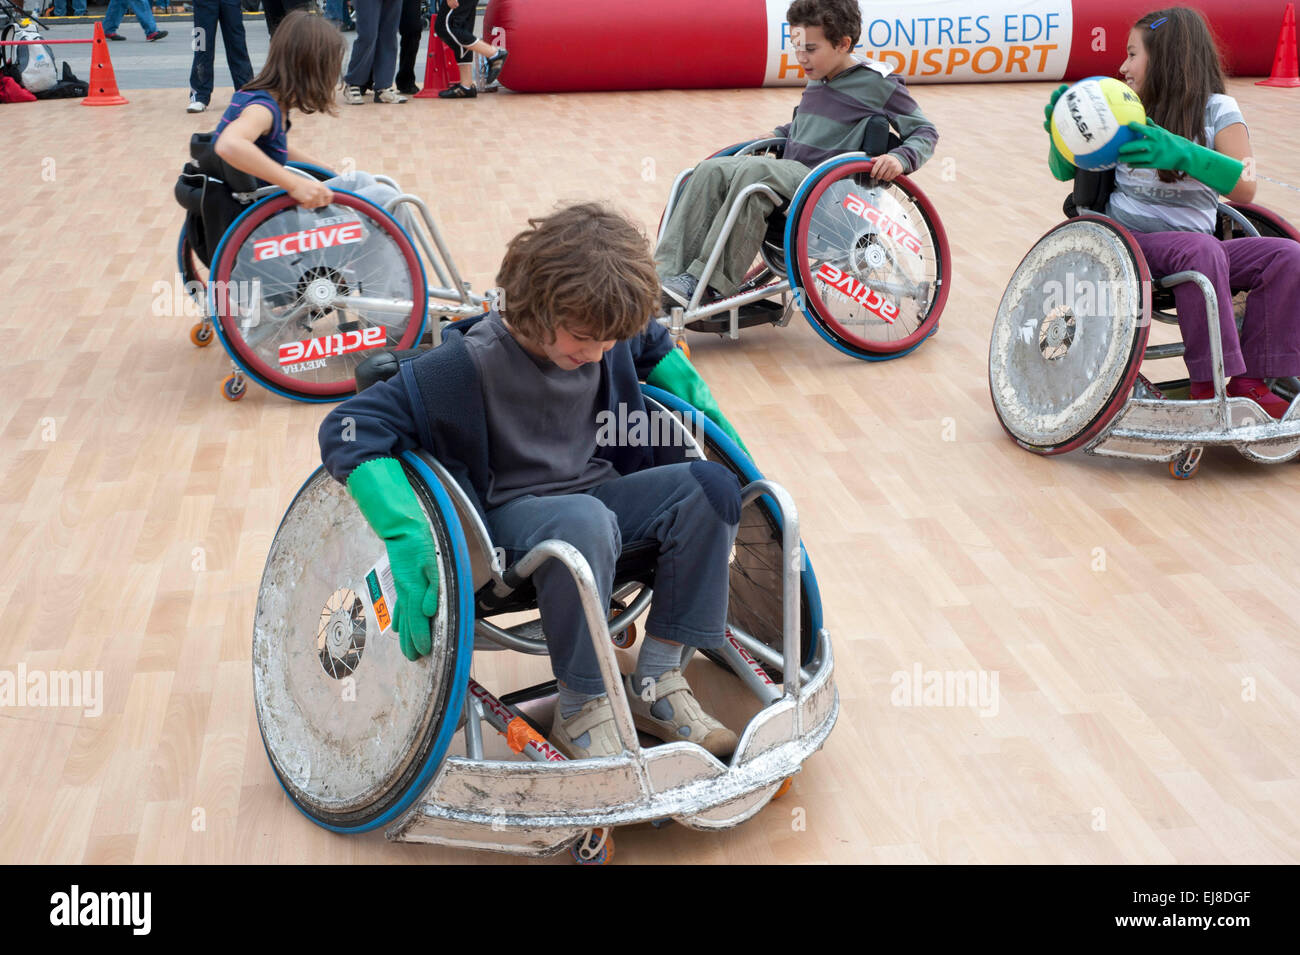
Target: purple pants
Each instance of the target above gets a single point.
(1269, 345)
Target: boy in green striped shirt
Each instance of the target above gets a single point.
(842, 96)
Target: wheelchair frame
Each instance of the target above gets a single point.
(452, 299)
(1148, 426)
(542, 804)
(678, 318)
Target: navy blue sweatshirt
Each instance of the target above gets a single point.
(435, 402)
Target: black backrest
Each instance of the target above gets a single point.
(203, 150)
(1091, 191)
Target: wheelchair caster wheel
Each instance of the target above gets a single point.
(596, 847)
(1185, 466)
(686, 349)
(626, 638)
(233, 388)
(201, 335)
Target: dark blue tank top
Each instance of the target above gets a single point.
(274, 143)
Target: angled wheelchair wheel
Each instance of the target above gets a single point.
(354, 730)
(191, 268)
(754, 591)
(1069, 335)
(869, 260)
(300, 296)
(1266, 222)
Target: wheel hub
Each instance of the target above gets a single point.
(1056, 333)
(320, 292)
(342, 635)
(869, 254)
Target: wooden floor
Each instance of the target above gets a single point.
(1144, 631)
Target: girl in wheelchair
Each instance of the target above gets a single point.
(508, 404)
(1166, 193)
(301, 73)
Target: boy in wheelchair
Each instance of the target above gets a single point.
(843, 97)
(508, 404)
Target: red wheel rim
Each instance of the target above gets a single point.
(234, 252)
(808, 281)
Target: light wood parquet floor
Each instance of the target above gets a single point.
(1144, 631)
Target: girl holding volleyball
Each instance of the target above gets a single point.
(1194, 148)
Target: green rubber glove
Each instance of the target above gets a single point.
(1160, 149)
(385, 498)
(1062, 169)
(676, 375)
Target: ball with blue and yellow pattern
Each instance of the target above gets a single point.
(1090, 121)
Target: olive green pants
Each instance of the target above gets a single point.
(697, 219)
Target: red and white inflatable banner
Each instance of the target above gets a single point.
(563, 46)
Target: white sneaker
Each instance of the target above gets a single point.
(352, 96)
(389, 95)
(196, 105)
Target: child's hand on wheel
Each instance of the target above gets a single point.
(886, 168)
(309, 193)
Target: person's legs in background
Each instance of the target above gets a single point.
(113, 19)
(362, 61)
(385, 62)
(203, 38)
(145, 16)
(236, 42)
(410, 30)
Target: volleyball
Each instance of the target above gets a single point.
(1090, 121)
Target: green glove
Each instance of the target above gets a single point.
(1160, 149)
(676, 375)
(1062, 169)
(385, 498)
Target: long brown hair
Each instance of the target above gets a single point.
(1183, 70)
(585, 267)
(303, 64)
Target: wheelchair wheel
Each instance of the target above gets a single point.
(192, 270)
(354, 730)
(306, 294)
(754, 591)
(1267, 223)
(869, 260)
(1069, 335)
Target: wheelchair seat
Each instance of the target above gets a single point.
(206, 190)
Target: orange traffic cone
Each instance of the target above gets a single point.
(1286, 71)
(440, 67)
(103, 84)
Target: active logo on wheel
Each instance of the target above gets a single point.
(308, 240)
(341, 343)
(870, 299)
(887, 225)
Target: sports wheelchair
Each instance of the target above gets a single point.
(297, 296)
(1063, 378)
(866, 261)
(361, 738)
